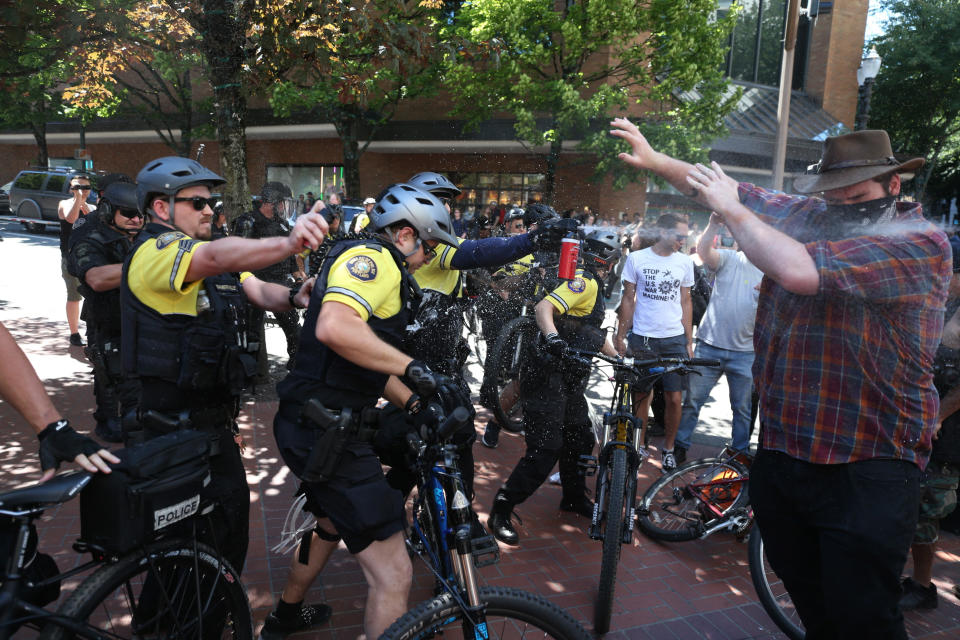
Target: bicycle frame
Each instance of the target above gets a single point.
(729, 522)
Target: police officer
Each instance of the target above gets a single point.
(184, 332)
(350, 357)
(97, 257)
(555, 419)
(269, 219)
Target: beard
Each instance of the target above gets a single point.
(849, 220)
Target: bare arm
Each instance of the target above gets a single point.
(342, 329)
(951, 333)
(22, 388)
(544, 312)
(275, 297)
(625, 319)
(105, 277)
(244, 254)
(776, 254)
(69, 210)
(705, 248)
(686, 308)
(397, 392)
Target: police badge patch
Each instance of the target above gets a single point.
(577, 285)
(167, 238)
(362, 268)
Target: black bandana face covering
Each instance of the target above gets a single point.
(845, 220)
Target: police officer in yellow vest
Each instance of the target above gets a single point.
(555, 419)
(183, 308)
(349, 357)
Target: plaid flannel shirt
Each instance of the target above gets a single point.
(846, 374)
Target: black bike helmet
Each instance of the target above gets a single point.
(421, 210)
(537, 212)
(331, 211)
(601, 249)
(169, 175)
(436, 183)
(118, 195)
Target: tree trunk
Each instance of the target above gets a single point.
(550, 179)
(222, 29)
(39, 130)
(348, 128)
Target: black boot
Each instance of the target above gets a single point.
(499, 522)
(579, 504)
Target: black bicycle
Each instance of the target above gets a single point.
(621, 455)
(173, 588)
(441, 534)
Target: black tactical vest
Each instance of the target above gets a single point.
(210, 356)
(320, 372)
(254, 224)
(101, 245)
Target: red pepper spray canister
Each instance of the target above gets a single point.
(569, 252)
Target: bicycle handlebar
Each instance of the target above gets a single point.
(648, 364)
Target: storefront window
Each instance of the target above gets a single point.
(317, 179)
(504, 189)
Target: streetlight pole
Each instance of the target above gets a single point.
(786, 82)
(866, 74)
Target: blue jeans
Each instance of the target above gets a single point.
(737, 366)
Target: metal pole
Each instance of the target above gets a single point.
(864, 115)
(783, 106)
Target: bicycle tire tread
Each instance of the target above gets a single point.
(612, 535)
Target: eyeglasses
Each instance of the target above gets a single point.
(80, 187)
(199, 202)
(130, 213)
(428, 252)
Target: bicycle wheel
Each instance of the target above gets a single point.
(612, 538)
(682, 504)
(510, 613)
(474, 329)
(773, 595)
(172, 591)
(506, 357)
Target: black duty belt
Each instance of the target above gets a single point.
(356, 424)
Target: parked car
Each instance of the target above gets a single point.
(5, 198)
(36, 193)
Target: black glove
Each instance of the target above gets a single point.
(549, 233)
(60, 443)
(421, 378)
(453, 394)
(555, 345)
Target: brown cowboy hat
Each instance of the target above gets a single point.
(852, 158)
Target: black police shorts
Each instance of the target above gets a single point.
(359, 502)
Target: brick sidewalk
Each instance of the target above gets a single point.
(686, 590)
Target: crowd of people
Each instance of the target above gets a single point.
(826, 312)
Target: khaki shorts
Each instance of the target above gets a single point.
(938, 499)
(72, 282)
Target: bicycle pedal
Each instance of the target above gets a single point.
(588, 465)
(485, 551)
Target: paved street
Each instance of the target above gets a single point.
(672, 591)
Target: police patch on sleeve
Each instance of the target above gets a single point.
(168, 238)
(577, 285)
(362, 268)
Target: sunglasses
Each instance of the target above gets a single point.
(130, 213)
(199, 202)
(80, 187)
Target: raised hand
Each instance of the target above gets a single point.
(642, 155)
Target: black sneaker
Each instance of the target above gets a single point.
(917, 597)
(76, 340)
(311, 615)
(491, 435)
(668, 461)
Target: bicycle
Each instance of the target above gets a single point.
(174, 587)
(709, 495)
(621, 455)
(440, 533)
(503, 371)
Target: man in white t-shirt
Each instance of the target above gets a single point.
(656, 315)
(725, 334)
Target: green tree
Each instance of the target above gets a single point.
(349, 63)
(575, 64)
(916, 96)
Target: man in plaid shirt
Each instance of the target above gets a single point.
(849, 318)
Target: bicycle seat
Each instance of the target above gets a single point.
(57, 490)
